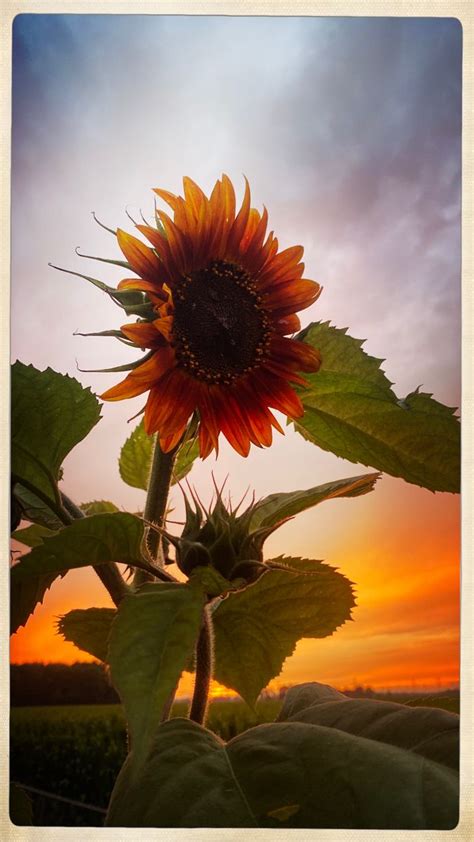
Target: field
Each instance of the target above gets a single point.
(74, 752)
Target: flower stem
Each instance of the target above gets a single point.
(155, 506)
(203, 671)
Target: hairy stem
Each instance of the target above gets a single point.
(155, 506)
(109, 574)
(203, 672)
(169, 703)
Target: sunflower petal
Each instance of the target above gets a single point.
(141, 258)
(143, 334)
(143, 377)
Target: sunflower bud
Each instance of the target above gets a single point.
(222, 539)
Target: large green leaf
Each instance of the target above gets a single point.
(51, 413)
(351, 410)
(151, 640)
(257, 628)
(88, 629)
(276, 507)
(430, 732)
(93, 540)
(282, 775)
(33, 536)
(36, 510)
(136, 455)
(25, 594)
(96, 539)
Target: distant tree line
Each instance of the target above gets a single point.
(89, 684)
(60, 684)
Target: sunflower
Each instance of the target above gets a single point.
(225, 301)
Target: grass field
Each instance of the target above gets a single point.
(76, 751)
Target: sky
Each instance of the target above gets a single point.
(349, 131)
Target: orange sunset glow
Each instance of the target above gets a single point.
(405, 629)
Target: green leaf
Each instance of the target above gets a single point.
(25, 594)
(136, 455)
(36, 510)
(211, 580)
(88, 629)
(430, 732)
(351, 410)
(97, 539)
(21, 806)
(51, 413)
(187, 453)
(135, 458)
(32, 536)
(282, 775)
(98, 507)
(276, 507)
(152, 638)
(257, 628)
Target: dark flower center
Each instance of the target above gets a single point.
(220, 329)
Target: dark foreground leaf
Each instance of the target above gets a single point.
(93, 540)
(36, 510)
(255, 629)
(152, 638)
(281, 776)
(351, 410)
(32, 536)
(430, 732)
(88, 629)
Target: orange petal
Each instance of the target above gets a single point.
(240, 223)
(168, 197)
(287, 372)
(142, 259)
(194, 196)
(171, 403)
(255, 244)
(230, 421)
(228, 197)
(258, 417)
(208, 418)
(143, 334)
(285, 264)
(168, 443)
(206, 444)
(165, 327)
(287, 324)
(298, 354)
(292, 296)
(143, 377)
(176, 242)
(277, 393)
